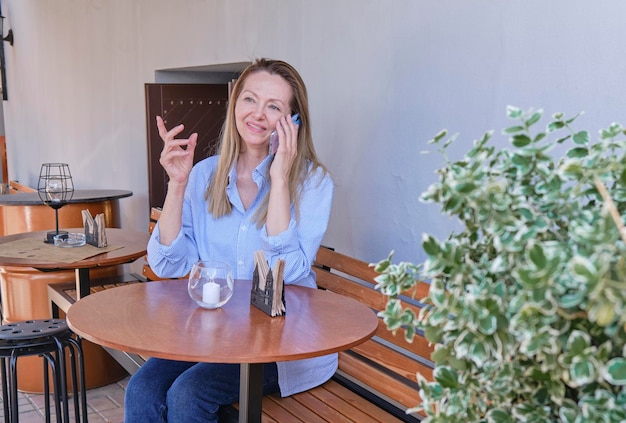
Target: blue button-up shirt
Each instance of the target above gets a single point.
(234, 238)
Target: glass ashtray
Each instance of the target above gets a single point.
(69, 240)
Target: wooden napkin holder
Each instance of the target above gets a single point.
(95, 229)
(268, 293)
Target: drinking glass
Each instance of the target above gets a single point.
(210, 283)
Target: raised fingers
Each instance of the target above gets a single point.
(164, 133)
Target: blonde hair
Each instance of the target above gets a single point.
(230, 145)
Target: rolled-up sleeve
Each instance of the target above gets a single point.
(171, 261)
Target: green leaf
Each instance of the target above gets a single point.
(616, 371)
(430, 245)
(440, 355)
(488, 325)
(513, 112)
(433, 334)
(578, 342)
(572, 167)
(499, 416)
(478, 353)
(568, 411)
(513, 129)
(573, 299)
(537, 256)
(446, 377)
(465, 187)
(553, 126)
(572, 119)
(534, 118)
(440, 135)
(581, 137)
(521, 140)
(528, 279)
(583, 269)
(582, 372)
(578, 152)
(521, 161)
(562, 140)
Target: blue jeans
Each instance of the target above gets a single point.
(177, 391)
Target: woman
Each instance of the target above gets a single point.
(225, 208)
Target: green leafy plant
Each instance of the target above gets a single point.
(527, 304)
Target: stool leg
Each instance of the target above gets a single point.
(75, 387)
(5, 391)
(52, 361)
(73, 359)
(13, 388)
(46, 389)
(60, 353)
(77, 343)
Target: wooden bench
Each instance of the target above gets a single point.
(376, 381)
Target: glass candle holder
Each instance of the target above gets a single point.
(211, 283)
(55, 188)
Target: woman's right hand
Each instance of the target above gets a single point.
(177, 155)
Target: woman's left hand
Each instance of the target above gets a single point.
(287, 149)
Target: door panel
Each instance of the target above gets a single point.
(200, 107)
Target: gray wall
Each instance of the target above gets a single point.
(383, 76)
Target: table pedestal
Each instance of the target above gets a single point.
(25, 296)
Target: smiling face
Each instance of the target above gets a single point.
(264, 99)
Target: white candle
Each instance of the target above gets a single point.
(211, 293)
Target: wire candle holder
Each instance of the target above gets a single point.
(55, 189)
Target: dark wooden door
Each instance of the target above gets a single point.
(200, 107)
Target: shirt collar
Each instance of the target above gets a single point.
(260, 175)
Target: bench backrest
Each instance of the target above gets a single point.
(386, 365)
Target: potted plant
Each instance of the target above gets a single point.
(527, 305)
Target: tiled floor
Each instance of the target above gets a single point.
(105, 404)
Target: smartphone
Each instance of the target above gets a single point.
(274, 135)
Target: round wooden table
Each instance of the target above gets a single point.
(159, 319)
(133, 246)
(25, 283)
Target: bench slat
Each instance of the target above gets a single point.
(275, 412)
(325, 410)
(420, 345)
(332, 402)
(340, 285)
(394, 361)
(389, 386)
(345, 264)
(296, 408)
(361, 270)
(356, 400)
(345, 408)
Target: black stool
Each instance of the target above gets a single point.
(47, 338)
